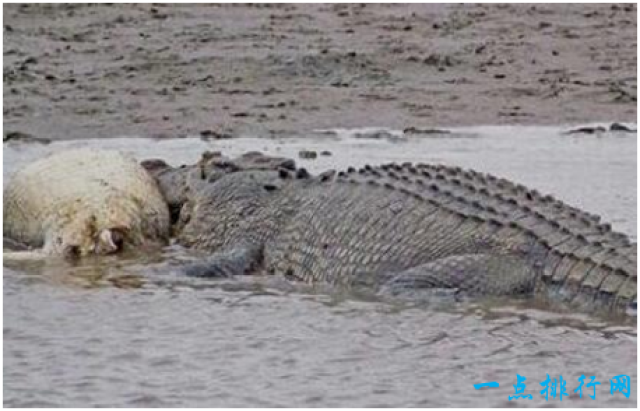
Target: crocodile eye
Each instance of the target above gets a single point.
(270, 187)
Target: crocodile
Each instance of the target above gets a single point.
(83, 201)
(402, 229)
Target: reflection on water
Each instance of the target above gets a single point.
(129, 331)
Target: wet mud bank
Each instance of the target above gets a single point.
(90, 71)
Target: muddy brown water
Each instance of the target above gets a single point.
(128, 331)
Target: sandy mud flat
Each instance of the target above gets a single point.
(165, 70)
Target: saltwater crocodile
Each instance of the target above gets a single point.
(402, 229)
(83, 201)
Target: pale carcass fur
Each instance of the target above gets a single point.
(84, 201)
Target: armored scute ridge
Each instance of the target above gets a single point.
(404, 229)
(582, 253)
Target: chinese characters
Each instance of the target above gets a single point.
(557, 388)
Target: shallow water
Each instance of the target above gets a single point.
(126, 331)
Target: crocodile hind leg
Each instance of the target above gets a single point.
(239, 260)
(464, 275)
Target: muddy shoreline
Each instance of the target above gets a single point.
(78, 71)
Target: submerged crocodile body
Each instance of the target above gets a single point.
(402, 229)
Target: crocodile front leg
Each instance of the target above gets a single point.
(468, 274)
(238, 260)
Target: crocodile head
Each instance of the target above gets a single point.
(181, 184)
